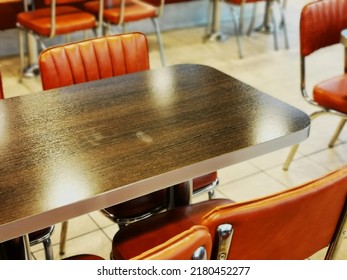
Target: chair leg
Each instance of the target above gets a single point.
(283, 24)
(337, 133)
(295, 147)
(21, 53)
(290, 157)
(238, 34)
(252, 22)
(274, 28)
(63, 233)
(48, 249)
(211, 194)
(160, 43)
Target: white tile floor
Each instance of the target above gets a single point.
(274, 72)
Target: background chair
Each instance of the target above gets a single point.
(41, 236)
(58, 18)
(118, 54)
(121, 12)
(269, 24)
(293, 224)
(8, 13)
(329, 96)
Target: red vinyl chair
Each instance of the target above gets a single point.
(292, 224)
(8, 12)
(41, 236)
(58, 17)
(118, 54)
(121, 12)
(329, 96)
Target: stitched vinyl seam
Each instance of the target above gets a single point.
(97, 60)
(124, 55)
(111, 58)
(56, 68)
(83, 63)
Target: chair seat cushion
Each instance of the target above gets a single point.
(332, 93)
(44, 233)
(134, 10)
(139, 206)
(68, 19)
(204, 180)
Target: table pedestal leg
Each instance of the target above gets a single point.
(214, 33)
(266, 26)
(180, 194)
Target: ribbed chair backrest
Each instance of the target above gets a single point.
(321, 24)
(290, 225)
(93, 59)
(194, 243)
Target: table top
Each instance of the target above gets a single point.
(73, 150)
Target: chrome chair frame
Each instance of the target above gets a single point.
(47, 244)
(322, 111)
(105, 26)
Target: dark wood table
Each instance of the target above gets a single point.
(73, 150)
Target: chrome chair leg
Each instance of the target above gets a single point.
(211, 194)
(252, 22)
(339, 235)
(21, 53)
(283, 24)
(63, 233)
(296, 146)
(47, 244)
(242, 11)
(160, 43)
(337, 132)
(272, 16)
(290, 157)
(238, 32)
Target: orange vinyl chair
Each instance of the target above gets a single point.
(118, 54)
(59, 17)
(40, 236)
(121, 12)
(330, 96)
(241, 4)
(293, 224)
